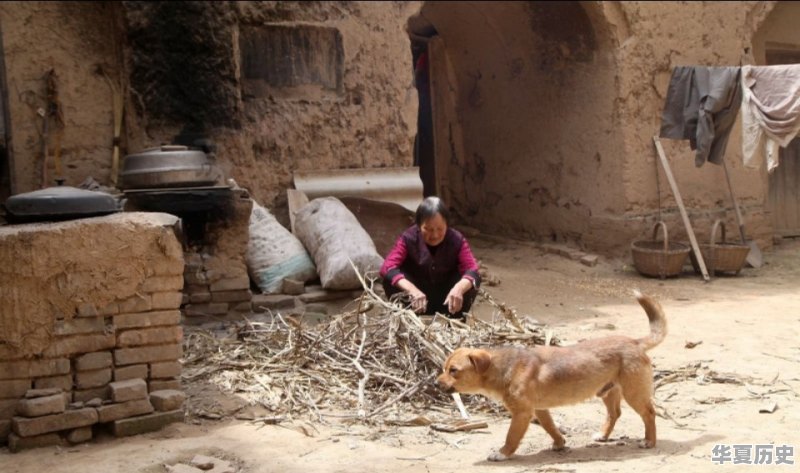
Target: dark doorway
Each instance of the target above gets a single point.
(420, 32)
(5, 130)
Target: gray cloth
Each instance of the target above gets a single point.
(701, 106)
(770, 112)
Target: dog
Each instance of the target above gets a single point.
(531, 381)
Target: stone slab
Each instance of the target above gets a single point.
(123, 410)
(129, 390)
(164, 384)
(25, 427)
(133, 356)
(182, 468)
(17, 443)
(167, 399)
(92, 379)
(212, 308)
(80, 325)
(5, 430)
(93, 361)
(163, 283)
(293, 287)
(130, 372)
(232, 296)
(86, 395)
(8, 408)
(137, 303)
(33, 368)
(149, 336)
(41, 406)
(262, 302)
(78, 344)
(14, 388)
(63, 382)
(146, 423)
(165, 369)
(166, 300)
(79, 435)
(148, 319)
(231, 284)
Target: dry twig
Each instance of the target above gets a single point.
(366, 360)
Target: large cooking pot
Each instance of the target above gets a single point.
(58, 203)
(168, 166)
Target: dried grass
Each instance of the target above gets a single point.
(376, 359)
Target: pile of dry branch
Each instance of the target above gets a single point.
(377, 359)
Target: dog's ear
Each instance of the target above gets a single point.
(480, 359)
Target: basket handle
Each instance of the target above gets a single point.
(713, 251)
(664, 231)
(717, 223)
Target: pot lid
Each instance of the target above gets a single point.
(60, 202)
(164, 157)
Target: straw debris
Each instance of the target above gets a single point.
(377, 359)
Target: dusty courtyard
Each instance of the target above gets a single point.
(745, 356)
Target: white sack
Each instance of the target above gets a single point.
(274, 253)
(332, 234)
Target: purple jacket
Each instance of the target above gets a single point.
(411, 258)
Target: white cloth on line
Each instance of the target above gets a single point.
(770, 112)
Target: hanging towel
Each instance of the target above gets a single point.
(701, 106)
(770, 112)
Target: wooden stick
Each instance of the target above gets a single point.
(460, 404)
(684, 215)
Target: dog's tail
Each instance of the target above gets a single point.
(658, 322)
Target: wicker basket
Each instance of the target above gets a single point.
(722, 257)
(659, 258)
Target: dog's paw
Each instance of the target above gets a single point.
(599, 437)
(559, 447)
(646, 444)
(496, 456)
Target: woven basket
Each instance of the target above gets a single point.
(722, 257)
(659, 258)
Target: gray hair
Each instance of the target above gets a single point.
(429, 208)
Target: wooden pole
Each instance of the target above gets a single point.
(684, 215)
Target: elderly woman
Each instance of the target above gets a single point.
(432, 264)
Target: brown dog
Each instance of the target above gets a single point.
(531, 381)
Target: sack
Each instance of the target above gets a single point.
(274, 254)
(332, 235)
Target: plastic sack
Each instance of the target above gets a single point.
(333, 236)
(274, 253)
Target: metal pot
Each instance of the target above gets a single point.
(168, 166)
(58, 203)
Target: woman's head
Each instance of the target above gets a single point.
(432, 220)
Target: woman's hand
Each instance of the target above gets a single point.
(455, 299)
(419, 301)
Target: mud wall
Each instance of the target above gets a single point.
(535, 98)
(72, 38)
(557, 106)
(548, 133)
(659, 37)
(778, 31)
(270, 125)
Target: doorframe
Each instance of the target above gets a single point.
(6, 167)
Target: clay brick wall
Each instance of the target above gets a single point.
(90, 332)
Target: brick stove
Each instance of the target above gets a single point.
(215, 231)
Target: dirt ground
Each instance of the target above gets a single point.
(746, 357)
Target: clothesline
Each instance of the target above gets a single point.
(702, 104)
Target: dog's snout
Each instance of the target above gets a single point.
(444, 385)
